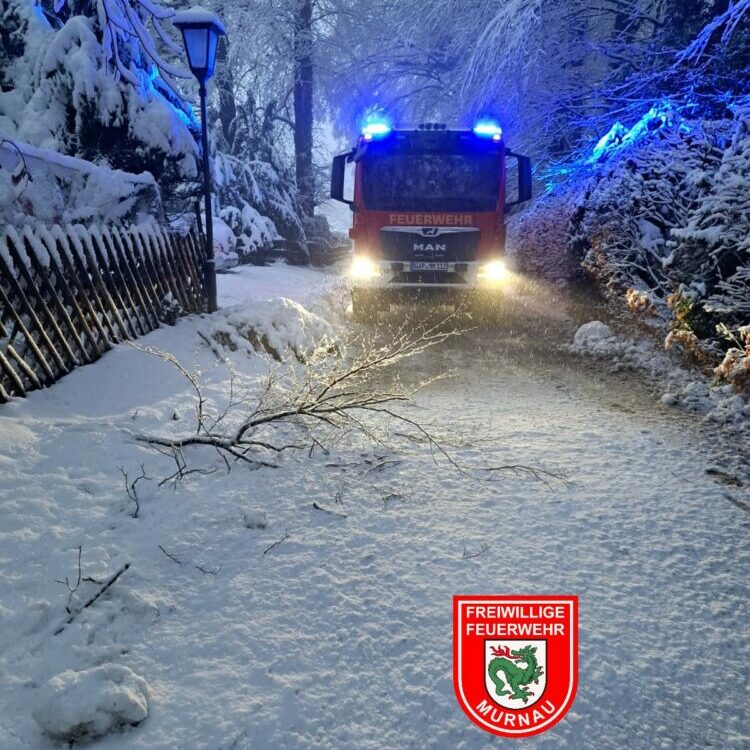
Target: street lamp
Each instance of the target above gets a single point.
(201, 30)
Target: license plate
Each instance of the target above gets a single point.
(418, 265)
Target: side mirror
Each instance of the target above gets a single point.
(338, 171)
(524, 178)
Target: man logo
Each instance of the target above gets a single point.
(429, 247)
(430, 231)
(515, 661)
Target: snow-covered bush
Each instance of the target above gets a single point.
(538, 237)
(735, 367)
(594, 335)
(45, 186)
(280, 327)
(225, 244)
(254, 198)
(716, 237)
(659, 216)
(252, 233)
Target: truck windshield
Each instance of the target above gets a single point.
(430, 181)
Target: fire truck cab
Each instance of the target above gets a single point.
(429, 208)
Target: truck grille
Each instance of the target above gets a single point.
(437, 244)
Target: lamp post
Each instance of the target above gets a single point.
(201, 30)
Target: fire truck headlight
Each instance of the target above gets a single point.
(493, 272)
(363, 268)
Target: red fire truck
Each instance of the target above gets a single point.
(429, 210)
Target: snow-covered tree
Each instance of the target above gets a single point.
(254, 185)
(101, 81)
(557, 74)
(254, 127)
(83, 85)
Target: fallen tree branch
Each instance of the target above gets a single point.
(170, 555)
(132, 490)
(541, 475)
(207, 571)
(110, 581)
(276, 544)
(471, 555)
(177, 560)
(72, 589)
(323, 393)
(317, 506)
(331, 392)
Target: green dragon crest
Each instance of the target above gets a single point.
(506, 663)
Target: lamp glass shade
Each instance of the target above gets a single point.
(201, 30)
(196, 44)
(213, 40)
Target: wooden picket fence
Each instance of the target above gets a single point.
(67, 294)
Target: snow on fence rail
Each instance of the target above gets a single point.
(68, 294)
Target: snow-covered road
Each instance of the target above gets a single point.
(340, 635)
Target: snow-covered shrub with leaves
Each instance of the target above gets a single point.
(717, 234)
(641, 189)
(659, 216)
(735, 367)
(538, 237)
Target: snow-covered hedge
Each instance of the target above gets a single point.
(46, 187)
(659, 216)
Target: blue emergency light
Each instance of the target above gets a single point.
(375, 129)
(488, 129)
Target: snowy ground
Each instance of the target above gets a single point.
(254, 283)
(340, 635)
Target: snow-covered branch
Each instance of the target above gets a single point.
(726, 23)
